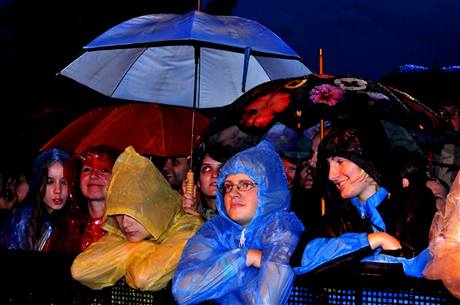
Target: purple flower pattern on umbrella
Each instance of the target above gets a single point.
(326, 94)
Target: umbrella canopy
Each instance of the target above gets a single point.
(301, 102)
(193, 60)
(151, 129)
(429, 84)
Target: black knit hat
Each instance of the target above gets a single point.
(364, 147)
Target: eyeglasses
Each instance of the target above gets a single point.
(242, 186)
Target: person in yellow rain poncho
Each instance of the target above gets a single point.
(147, 229)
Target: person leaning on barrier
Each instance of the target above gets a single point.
(241, 255)
(366, 226)
(147, 229)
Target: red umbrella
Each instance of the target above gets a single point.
(150, 128)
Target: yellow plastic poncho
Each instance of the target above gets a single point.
(137, 189)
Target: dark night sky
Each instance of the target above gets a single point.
(360, 37)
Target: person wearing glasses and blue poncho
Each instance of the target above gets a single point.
(242, 255)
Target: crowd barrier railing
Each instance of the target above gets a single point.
(44, 278)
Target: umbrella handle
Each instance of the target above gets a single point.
(190, 182)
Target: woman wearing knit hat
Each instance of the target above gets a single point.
(365, 227)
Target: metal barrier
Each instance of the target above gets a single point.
(44, 278)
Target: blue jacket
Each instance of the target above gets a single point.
(213, 263)
(324, 253)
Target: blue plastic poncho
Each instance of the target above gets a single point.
(323, 252)
(213, 264)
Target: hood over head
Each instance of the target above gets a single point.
(139, 190)
(263, 165)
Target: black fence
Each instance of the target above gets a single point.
(44, 278)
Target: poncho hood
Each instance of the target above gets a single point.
(139, 190)
(263, 165)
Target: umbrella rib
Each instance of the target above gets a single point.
(195, 42)
(126, 72)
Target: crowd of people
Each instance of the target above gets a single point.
(253, 221)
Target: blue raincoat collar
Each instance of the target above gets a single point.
(368, 208)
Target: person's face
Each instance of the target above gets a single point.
(438, 192)
(349, 179)
(290, 169)
(131, 228)
(306, 174)
(95, 177)
(21, 188)
(241, 206)
(209, 171)
(451, 114)
(56, 191)
(175, 170)
(314, 150)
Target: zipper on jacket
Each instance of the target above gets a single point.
(242, 238)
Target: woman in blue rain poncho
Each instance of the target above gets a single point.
(242, 255)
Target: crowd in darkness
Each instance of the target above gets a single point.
(252, 221)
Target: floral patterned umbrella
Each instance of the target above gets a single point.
(301, 102)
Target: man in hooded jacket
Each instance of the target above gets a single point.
(217, 263)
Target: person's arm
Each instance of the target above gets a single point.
(325, 253)
(275, 277)
(103, 263)
(152, 265)
(208, 269)
(412, 267)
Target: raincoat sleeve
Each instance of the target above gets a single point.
(273, 282)
(322, 253)
(413, 267)
(151, 265)
(208, 269)
(104, 262)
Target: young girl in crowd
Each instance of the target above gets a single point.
(147, 229)
(31, 224)
(241, 256)
(208, 161)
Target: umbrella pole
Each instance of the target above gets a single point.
(190, 177)
(321, 62)
(321, 136)
(321, 124)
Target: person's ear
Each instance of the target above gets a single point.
(405, 182)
